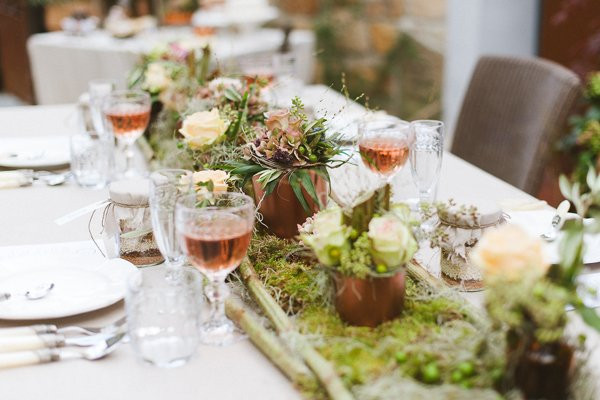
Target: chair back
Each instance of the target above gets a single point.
(513, 112)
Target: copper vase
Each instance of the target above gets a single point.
(545, 371)
(370, 301)
(281, 211)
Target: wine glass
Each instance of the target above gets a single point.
(214, 230)
(426, 156)
(166, 186)
(98, 89)
(383, 144)
(126, 115)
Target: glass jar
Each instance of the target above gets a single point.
(462, 227)
(127, 225)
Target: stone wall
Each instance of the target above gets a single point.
(390, 50)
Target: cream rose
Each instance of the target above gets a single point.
(392, 242)
(509, 253)
(203, 128)
(217, 177)
(156, 77)
(326, 235)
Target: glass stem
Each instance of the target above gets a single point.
(217, 293)
(129, 157)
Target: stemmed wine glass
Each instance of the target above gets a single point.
(426, 156)
(98, 89)
(214, 230)
(383, 144)
(126, 115)
(166, 186)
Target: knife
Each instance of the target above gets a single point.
(47, 341)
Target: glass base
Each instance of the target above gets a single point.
(223, 333)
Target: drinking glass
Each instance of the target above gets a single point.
(126, 116)
(98, 89)
(383, 144)
(90, 160)
(426, 156)
(214, 230)
(166, 185)
(163, 315)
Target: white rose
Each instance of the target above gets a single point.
(203, 128)
(392, 242)
(156, 77)
(219, 179)
(509, 253)
(326, 235)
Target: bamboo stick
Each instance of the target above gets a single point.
(319, 365)
(269, 344)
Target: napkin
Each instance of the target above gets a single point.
(539, 222)
(508, 205)
(13, 179)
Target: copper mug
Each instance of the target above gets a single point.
(369, 301)
(281, 211)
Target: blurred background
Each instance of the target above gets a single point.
(413, 58)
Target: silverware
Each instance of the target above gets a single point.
(557, 221)
(49, 341)
(36, 293)
(67, 330)
(95, 352)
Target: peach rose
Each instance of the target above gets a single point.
(509, 253)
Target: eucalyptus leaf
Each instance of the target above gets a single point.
(565, 187)
(589, 316)
(297, 188)
(307, 183)
(233, 95)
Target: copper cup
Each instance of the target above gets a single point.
(281, 210)
(370, 301)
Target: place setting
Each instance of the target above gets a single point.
(313, 201)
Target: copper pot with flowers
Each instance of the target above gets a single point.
(366, 255)
(286, 168)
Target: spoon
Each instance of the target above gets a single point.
(557, 221)
(36, 293)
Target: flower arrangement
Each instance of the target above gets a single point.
(527, 297)
(289, 146)
(384, 247)
(584, 138)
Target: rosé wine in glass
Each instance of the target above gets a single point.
(126, 116)
(214, 230)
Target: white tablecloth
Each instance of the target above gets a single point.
(62, 64)
(235, 372)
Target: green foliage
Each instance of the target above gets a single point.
(356, 261)
(584, 138)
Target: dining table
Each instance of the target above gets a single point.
(238, 371)
(62, 64)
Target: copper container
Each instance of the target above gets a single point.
(545, 371)
(370, 301)
(281, 210)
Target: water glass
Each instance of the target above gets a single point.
(98, 89)
(166, 185)
(214, 230)
(90, 160)
(426, 157)
(163, 315)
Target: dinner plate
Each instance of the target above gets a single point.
(34, 152)
(83, 280)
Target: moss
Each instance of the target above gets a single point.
(432, 334)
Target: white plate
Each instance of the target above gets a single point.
(84, 281)
(34, 152)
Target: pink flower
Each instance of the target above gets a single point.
(278, 119)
